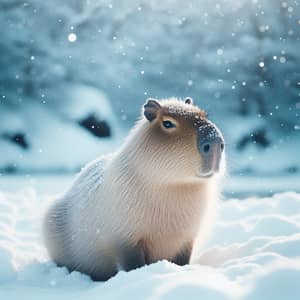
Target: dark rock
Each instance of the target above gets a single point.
(292, 169)
(99, 128)
(18, 138)
(258, 138)
(9, 169)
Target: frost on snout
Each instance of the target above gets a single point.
(210, 143)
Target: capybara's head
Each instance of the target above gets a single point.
(185, 143)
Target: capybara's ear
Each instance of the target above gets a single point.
(188, 100)
(151, 109)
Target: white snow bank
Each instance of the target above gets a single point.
(56, 141)
(253, 253)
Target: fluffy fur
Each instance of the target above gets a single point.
(142, 204)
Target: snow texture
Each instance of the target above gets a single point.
(253, 253)
(56, 140)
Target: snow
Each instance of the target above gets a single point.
(72, 37)
(252, 253)
(56, 141)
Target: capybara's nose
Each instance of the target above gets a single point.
(211, 145)
(210, 139)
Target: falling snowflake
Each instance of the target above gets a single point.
(72, 37)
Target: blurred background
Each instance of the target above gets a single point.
(75, 73)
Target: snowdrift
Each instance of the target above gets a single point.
(253, 253)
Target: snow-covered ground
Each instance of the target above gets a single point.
(253, 253)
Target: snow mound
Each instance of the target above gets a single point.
(56, 139)
(253, 253)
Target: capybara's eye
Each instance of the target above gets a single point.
(168, 124)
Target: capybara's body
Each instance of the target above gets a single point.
(148, 201)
